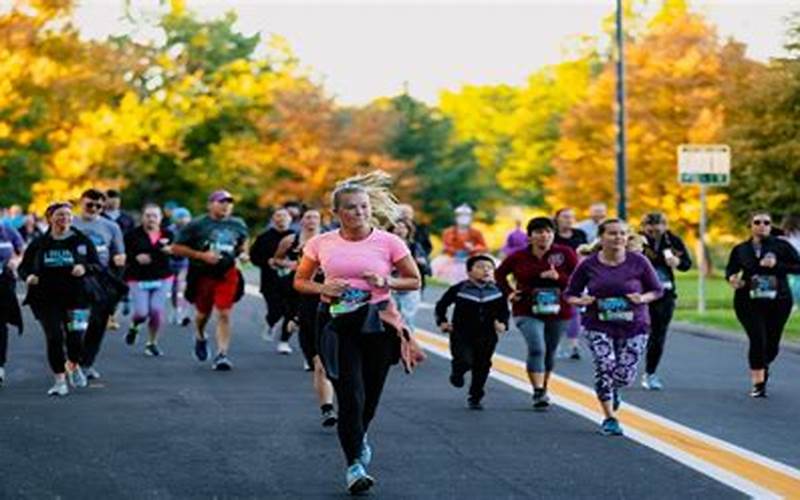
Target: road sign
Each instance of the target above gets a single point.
(704, 164)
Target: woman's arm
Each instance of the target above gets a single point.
(407, 278)
(279, 259)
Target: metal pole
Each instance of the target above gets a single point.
(622, 210)
(701, 255)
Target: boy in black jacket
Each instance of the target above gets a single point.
(481, 314)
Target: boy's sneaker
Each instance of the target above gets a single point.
(358, 481)
(201, 350)
(284, 348)
(222, 363)
(91, 373)
(541, 401)
(474, 404)
(59, 389)
(152, 350)
(457, 380)
(611, 427)
(652, 382)
(130, 337)
(77, 378)
(365, 457)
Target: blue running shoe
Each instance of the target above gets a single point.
(358, 481)
(611, 427)
(201, 350)
(366, 453)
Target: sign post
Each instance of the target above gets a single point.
(704, 165)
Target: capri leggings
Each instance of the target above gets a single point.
(542, 338)
(615, 361)
(150, 300)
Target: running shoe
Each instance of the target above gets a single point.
(358, 481)
(541, 401)
(201, 350)
(611, 427)
(365, 457)
(284, 348)
(616, 401)
(329, 417)
(457, 379)
(59, 389)
(113, 324)
(759, 391)
(268, 333)
(152, 350)
(575, 354)
(77, 378)
(307, 367)
(91, 373)
(186, 321)
(222, 363)
(652, 382)
(130, 337)
(474, 404)
(2, 376)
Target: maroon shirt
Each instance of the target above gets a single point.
(527, 269)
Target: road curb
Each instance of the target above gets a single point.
(726, 335)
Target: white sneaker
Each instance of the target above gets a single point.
(284, 348)
(2, 376)
(59, 388)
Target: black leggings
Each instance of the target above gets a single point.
(363, 361)
(661, 312)
(763, 320)
(98, 322)
(307, 321)
(3, 343)
(54, 323)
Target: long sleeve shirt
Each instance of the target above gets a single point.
(654, 251)
(746, 258)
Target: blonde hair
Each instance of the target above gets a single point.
(376, 185)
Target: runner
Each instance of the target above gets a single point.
(408, 301)
(597, 214)
(459, 242)
(541, 312)
(568, 235)
(149, 276)
(212, 243)
(108, 242)
(11, 247)
(113, 212)
(179, 267)
(479, 317)
(287, 256)
(55, 268)
(615, 285)
(757, 270)
(272, 288)
(666, 253)
(358, 322)
(791, 233)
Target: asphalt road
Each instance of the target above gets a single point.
(172, 428)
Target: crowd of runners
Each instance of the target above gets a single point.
(349, 289)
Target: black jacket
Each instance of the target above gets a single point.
(743, 258)
(476, 308)
(263, 249)
(137, 242)
(654, 251)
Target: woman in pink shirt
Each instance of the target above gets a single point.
(358, 340)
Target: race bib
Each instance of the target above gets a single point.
(351, 300)
(663, 277)
(221, 248)
(77, 320)
(614, 309)
(763, 287)
(546, 301)
(283, 272)
(149, 285)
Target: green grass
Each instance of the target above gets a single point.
(719, 306)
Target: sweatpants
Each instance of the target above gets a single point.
(542, 339)
(149, 304)
(54, 320)
(661, 312)
(363, 362)
(763, 321)
(474, 353)
(615, 361)
(98, 322)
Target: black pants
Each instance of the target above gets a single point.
(363, 361)
(307, 321)
(54, 323)
(473, 353)
(275, 300)
(661, 312)
(763, 320)
(3, 343)
(98, 322)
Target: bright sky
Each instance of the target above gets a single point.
(367, 49)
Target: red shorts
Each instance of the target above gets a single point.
(216, 292)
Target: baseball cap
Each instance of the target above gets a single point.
(220, 195)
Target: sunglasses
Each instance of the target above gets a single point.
(90, 204)
(760, 222)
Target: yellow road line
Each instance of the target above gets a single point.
(778, 479)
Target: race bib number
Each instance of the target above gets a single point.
(546, 301)
(149, 285)
(77, 320)
(351, 300)
(614, 309)
(663, 277)
(763, 287)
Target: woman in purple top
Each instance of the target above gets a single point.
(615, 285)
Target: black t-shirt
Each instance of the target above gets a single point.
(577, 239)
(225, 237)
(53, 264)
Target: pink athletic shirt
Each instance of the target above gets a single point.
(340, 258)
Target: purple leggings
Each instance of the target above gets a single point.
(149, 301)
(615, 361)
